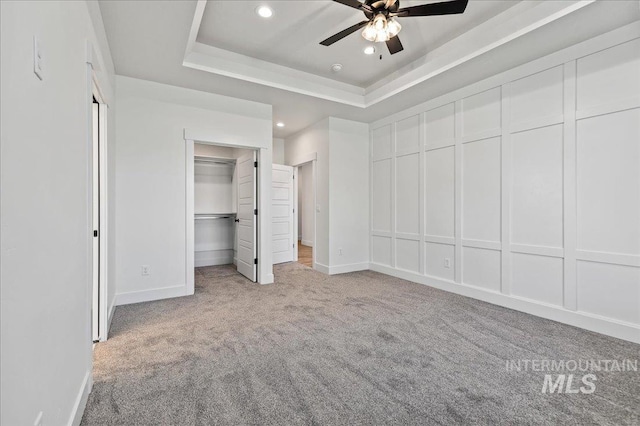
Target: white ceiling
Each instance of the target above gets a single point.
(148, 41)
(291, 37)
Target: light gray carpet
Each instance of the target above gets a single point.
(353, 349)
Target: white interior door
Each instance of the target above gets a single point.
(247, 215)
(282, 214)
(95, 307)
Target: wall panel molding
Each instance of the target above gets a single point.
(506, 184)
(598, 323)
(569, 188)
(458, 191)
(609, 108)
(439, 240)
(611, 258)
(536, 123)
(407, 236)
(507, 150)
(538, 250)
(480, 136)
(394, 180)
(488, 245)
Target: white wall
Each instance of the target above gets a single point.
(45, 281)
(349, 195)
(342, 182)
(278, 151)
(213, 188)
(151, 176)
(204, 150)
(315, 139)
(527, 183)
(305, 204)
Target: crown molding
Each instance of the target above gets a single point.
(515, 22)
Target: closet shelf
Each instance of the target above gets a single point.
(215, 161)
(207, 216)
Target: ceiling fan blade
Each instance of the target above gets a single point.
(351, 3)
(389, 4)
(394, 45)
(444, 8)
(342, 34)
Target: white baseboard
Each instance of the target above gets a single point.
(308, 243)
(270, 279)
(150, 295)
(214, 262)
(353, 267)
(112, 310)
(341, 269)
(213, 258)
(608, 326)
(321, 268)
(81, 400)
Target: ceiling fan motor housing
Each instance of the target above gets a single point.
(379, 6)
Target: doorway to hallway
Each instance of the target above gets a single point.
(305, 213)
(305, 254)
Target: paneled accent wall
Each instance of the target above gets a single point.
(522, 191)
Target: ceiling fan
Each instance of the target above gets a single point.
(381, 25)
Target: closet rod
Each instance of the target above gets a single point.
(213, 217)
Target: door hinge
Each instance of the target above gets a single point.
(255, 261)
(255, 212)
(255, 164)
(95, 233)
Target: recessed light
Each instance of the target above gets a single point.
(369, 50)
(264, 11)
(280, 124)
(336, 67)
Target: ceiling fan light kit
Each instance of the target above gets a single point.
(381, 29)
(381, 25)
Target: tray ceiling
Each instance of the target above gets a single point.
(229, 38)
(292, 35)
(156, 41)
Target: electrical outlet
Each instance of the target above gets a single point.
(447, 263)
(38, 421)
(145, 270)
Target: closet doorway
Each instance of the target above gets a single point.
(225, 209)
